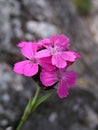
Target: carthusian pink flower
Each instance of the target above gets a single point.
(58, 47)
(27, 67)
(65, 80)
(52, 57)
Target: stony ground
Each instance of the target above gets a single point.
(32, 20)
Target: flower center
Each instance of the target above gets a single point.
(60, 74)
(53, 50)
(34, 60)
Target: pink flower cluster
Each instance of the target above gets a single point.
(52, 56)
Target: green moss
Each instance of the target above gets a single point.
(83, 6)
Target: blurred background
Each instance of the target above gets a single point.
(35, 19)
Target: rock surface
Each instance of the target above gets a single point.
(36, 19)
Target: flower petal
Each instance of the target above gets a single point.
(43, 53)
(60, 41)
(45, 42)
(77, 55)
(68, 56)
(58, 61)
(28, 49)
(48, 78)
(62, 89)
(46, 64)
(18, 67)
(26, 67)
(70, 78)
(22, 44)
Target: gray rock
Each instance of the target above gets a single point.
(4, 122)
(92, 118)
(94, 27)
(12, 95)
(17, 28)
(7, 9)
(53, 116)
(39, 9)
(78, 127)
(95, 6)
(29, 37)
(7, 76)
(9, 128)
(42, 29)
(5, 98)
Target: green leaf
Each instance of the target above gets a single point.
(35, 97)
(42, 99)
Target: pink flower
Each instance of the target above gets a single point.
(58, 47)
(59, 40)
(28, 67)
(65, 79)
(52, 57)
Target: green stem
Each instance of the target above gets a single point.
(29, 109)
